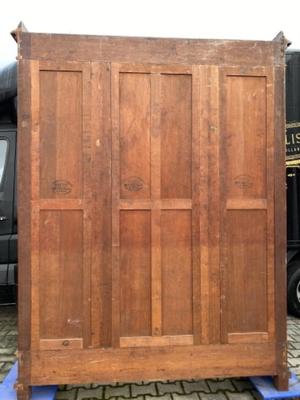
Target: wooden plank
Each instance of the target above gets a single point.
(246, 204)
(61, 252)
(87, 195)
(103, 365)
(58, 204)
(280, 229)
(244, 197)
(196, 261)
(163, 204)
(35, 185)
(253, 337)
(155, 69)
(61, 142)
(115, 104)
(135, 128)
(101, 307)
(135, 273)
(24, 219)
(222, 210)
(145, 50)
(214, 134)
(204, 121)
(154, 341)
(24, 209)
(177, 272)
(156, 287)
(270, 186)
(47, 65)
(199, 195)
(58, 344)
(176, 136)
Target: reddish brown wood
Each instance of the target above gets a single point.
(152, 209)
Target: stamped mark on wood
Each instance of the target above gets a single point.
(133, 184)
(61, 186)
(243, 181)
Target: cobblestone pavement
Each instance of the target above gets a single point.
(208, 389)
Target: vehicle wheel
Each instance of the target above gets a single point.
(293, 289)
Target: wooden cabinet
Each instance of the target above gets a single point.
(151, 211)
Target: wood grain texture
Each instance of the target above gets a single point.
(150, 50)
(282, 375)
(155, 158)
(147, 363)
(176, 136)
(247, 194)
(153, 203)
(135, 273)
(134, 134)
(101, 290)
(176, 245)
(61, 270)
(115, 185)
(24, 218)
(155, 341)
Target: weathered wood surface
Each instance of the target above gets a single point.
(152, 234)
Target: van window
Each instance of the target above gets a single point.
(3, 152)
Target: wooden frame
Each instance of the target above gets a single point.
(102, 195)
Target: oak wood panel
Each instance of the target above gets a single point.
(156, 204)
(134, 135)
(115, 186)
(35, 186)
(59, 204)
(61, 138)
(165, 111)
(176, 136)
(195, 206)
(209, 204)
(155, 158)
(253, 337)
(150, 50)
(24, 218)
(185, 362)
(86, 140)
(176, 245)
(61, 274)
(246, 136)
(67, 259)
(243, 194)
(270, 142)
(246, 271)
(212, 125)
(280, 229)
(247, 204)
(135, 273)
(58, 344)
(155, 341)
(101, 267)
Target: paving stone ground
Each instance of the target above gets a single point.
(208, 389)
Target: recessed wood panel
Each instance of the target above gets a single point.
(135, 135)
(177, 292)
(60, 134)
(135, 273)
(176, 136)
(246, 271)
(245, 136)
(61, 274)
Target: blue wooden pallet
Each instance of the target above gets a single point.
(266, 388)
(7, 391)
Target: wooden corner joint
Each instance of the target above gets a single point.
(16, 32)
(19, 386)
(282, 39)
